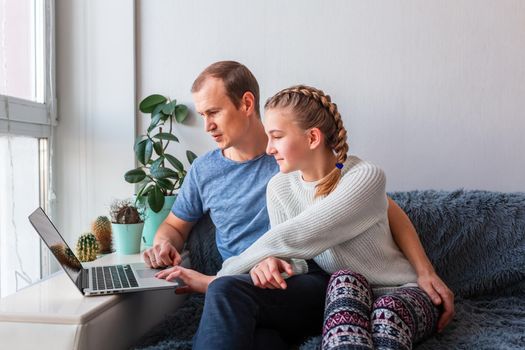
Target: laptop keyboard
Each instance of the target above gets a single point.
(113, 277)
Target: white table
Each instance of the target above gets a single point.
(53, 314)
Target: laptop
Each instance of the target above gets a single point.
(97, 280)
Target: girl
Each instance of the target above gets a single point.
(332, 208)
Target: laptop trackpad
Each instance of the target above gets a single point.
(146, 272)
(146, 276)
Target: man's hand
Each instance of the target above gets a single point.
(195, 281)
(440, 294)
(162, 254)
(267, 273)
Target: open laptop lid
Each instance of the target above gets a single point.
(54, 241)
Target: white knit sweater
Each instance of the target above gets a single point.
(348, 229)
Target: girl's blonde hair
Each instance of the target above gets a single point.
(312, 108)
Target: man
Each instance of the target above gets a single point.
(230, 184)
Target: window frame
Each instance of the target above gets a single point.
(21, 117)
(28, 118)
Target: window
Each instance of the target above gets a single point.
(27, 97)
(20, 187)
(22, 31)
(27, 118)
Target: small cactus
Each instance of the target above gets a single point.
(101, 228)
(124, 212)
(65, 256)
(87, 247)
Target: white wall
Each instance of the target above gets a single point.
(96, 109)
(432, 91)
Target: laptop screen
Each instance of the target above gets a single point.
(57, 245)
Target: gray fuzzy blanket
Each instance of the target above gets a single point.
(476, 241)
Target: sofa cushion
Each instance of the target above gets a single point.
(475, 239)
(204, 255)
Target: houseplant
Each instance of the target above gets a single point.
(159, 173)
(126, 224)
(101, 228)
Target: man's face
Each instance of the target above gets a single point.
(222, 120)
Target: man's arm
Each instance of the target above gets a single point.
(407, 239)
(174, 230)
(168, 242)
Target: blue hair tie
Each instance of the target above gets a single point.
(339, 165)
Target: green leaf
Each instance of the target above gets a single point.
(156, 164)
(148, 189)
(181, 178)
(148, 151)
(155, 121)
(144, 190)
(139, 138)
(162, 173)
(158, 148)
(140, 149)
(165, 184)
(148, 104)
(191, 156)
(140, 201)
(174, 161)
(169, 108)
(181, 112)
(158, 109)
(135, 175)
(156, 199)
(166, 136)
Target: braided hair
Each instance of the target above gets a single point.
(312, 108)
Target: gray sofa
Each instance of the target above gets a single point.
(476, 241)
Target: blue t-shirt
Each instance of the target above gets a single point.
(235, 195)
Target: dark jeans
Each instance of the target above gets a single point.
(238, 315)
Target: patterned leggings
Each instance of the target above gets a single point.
(353, 319)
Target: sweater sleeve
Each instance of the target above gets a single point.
(277, 215)
(357, 203)
(275, 208)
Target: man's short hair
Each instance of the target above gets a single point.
(237, 80)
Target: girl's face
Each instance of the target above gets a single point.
(287, 142)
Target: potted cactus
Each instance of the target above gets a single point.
(127, 225)
(101, 228)
(87, 247)
(159, 173)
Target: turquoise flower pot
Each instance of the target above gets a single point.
(127, 237)
(153, 220)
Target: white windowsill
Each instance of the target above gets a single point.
(34, 316)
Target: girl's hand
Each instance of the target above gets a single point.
(267, 273)
(195, 281)
(440, 294)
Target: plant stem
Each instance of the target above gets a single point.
(163, 148)
(171, 128)
(152, 178)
